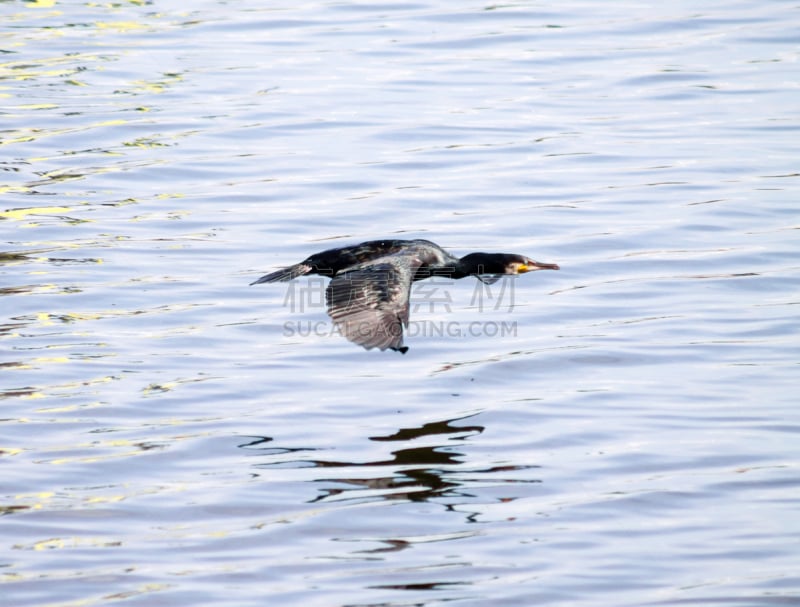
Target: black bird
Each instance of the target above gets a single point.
(368, 294)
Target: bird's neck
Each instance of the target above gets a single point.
(478, 263)
(450, 268)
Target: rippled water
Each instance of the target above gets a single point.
(621, 432)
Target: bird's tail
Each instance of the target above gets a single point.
(299, 269)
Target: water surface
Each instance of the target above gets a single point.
(621, 432)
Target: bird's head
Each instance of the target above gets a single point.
(502, 263)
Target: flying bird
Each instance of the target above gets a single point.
(368, 296)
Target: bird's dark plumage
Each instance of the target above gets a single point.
(368, 294)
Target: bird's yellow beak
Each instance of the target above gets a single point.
(532, 266)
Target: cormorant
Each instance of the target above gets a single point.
(368, 294)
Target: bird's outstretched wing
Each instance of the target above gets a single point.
(369, 304)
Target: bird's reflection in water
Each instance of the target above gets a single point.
(419, 473)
